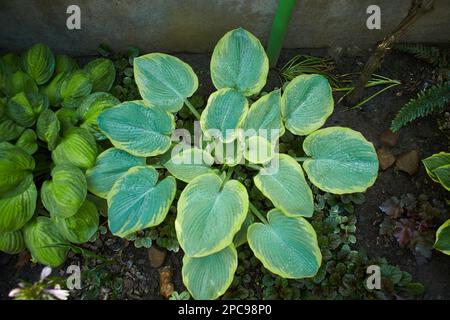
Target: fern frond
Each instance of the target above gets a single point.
(428, 101)
(431, 55)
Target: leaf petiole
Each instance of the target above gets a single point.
(256, 213)
(192, 109)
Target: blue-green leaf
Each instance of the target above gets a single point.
(189, 164)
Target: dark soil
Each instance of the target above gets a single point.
(372, 120)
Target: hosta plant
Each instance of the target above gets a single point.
(239, 127)
(48, 132)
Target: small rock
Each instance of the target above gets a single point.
(166, 287)
(408, 162)
(156, 256)
(389, 138)
(385, 158)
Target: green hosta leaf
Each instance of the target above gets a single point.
(285, 185)
(258, 149)
(74, 88)
(12, 62)
(77, 147)
(306, 104)
(343, 161)
(17, 210)
(68, 118)
(39, 63)
(80, 227)
(12, 242)
(164, 80)
(241, 237)
(189, 164)
(231, 153)
(138, 201)
(24, 108)
(9, 130)
(435, 161)
(224, 114)
(102, 73)
(65, 64)
(137, 128)
(443, 175)
(91, 107)
(110, 166)
(64, 195)
(286, 246)
(27, 141)
(21, 82)
(53, 89)
(16, 170)
(240, 62)
(264, 117)
(47, 128)
(44, 241)
(210, 213)
(207, 278)
(443, 238)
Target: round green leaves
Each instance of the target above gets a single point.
(208, 278)
(102, 73)
(137, 128)
(438, 168)
(306, 104)
(164, 81)
(110, 166)
(12, 242)
(39, 63)
(286, 246)
(343, 161)
(210, 213)
(443, 238)
(285, 185)
(189, 164)
(224, 114)
(240, 62)
(138, 201)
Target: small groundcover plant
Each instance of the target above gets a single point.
(214, 210)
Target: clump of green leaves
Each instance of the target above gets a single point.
(48, 139)
(214, 207)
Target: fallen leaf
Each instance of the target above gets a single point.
(165, 282)
(408, 162)
(385, 158)
(156, 256)
(389, 138)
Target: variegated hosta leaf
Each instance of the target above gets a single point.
(27, 141)
(264, 117)
(286, 246)
(110, 166)
(80, 227)
(224, 114)
(241, 237)
(443, 176)
(53, 89)
(9, 130)
(164, 80)
(16, 170)
(12, 242)
(45, 242)
(207, 278)
(240, 62)
(138, 201)
(285, 185)
(20, 82)
(12, 62)
(47, 128)
(342, 160)
(91, 107)
(24, 108)
(102, 73)
(64, 195)
(68, 118)
(443, 238)
(435, 161)
(137, 128)
(74, 88)
(189, 164)
(306, 104)
(77, 147)
(231, 153)
(39, 63)
(65, 64)
(16, 211)
(258, 149)
(210, 213)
